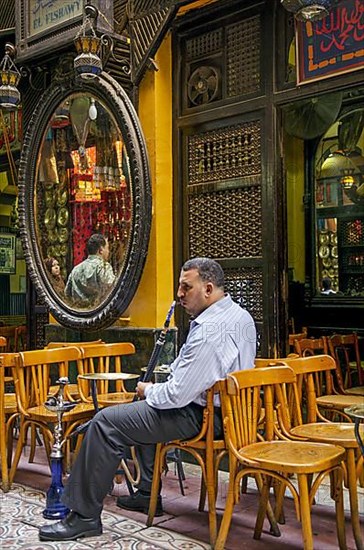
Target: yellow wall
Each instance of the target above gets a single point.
(294, 156)
(155, 293)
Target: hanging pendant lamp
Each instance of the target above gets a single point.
(309, 10)
(9, 79)
(88, 63)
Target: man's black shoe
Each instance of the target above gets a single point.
(72, 527)
(139, 503)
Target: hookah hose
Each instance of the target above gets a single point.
(157, 349)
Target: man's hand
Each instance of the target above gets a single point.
(140, 389)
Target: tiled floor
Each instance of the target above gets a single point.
(182, 527)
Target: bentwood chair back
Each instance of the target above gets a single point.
(8, 415)
(207, 452)
(20, 343)
(32, 376)
(71, 370)
(266, 453)
(344, 348)
(104, 358)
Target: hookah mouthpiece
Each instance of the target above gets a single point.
(169, 314)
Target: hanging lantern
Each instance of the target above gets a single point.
(309, 10)
(88, 63)
(9, 79)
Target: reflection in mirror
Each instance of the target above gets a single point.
(83, 201)
(339, 201)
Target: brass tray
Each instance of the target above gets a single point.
(62, 218)
(324, 251)
(50, 218)
(49, 199)
(324, 238)
(62, 196)
(63, 234)
(53, 236)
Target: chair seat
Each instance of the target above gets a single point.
(292, 456)
(337, 433)
(339, 401)
(10, 404)
(109, 399)
(357, 390)
(42, 414)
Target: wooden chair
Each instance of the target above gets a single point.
(72, 388)
(311, 346)
(338, 433)
(32, 373)
(274, 457)
(9, 332)
(8, 415)
(20, 341)
(104, 358)
(208, 453)
(344, 348)
(292, 337)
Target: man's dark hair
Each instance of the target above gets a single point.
(95, 242)
(326, 283)
(209, 270)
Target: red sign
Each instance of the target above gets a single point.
(332, 45)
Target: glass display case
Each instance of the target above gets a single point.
(339, 208)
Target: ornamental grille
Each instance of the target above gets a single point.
(225, 153)
(243, 57)
(245, 284)
(352, 232)
(204, 45)
(226, 224)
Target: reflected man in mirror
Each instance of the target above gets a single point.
(326, 286)
(90, 281)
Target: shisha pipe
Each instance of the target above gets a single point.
(54, 507)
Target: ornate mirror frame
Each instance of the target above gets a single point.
(114, 97)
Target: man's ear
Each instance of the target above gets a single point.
(209, 289)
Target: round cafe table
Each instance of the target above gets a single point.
(111, 398)
(357, 413)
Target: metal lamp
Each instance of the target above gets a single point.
(9, 78)
(309, 10)
(88, 63)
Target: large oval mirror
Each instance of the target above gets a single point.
(85, 201)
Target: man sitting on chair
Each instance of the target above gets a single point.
(221, 339)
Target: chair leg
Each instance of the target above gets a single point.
(211, 496)
(33, 442)
(353, 497)
(18, 451)
(158, 467)
(336, 480)
(229, 507)
(4, 459)
(265, 508)
(305, 512)
(201, 504)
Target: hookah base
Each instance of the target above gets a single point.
(59, 512)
